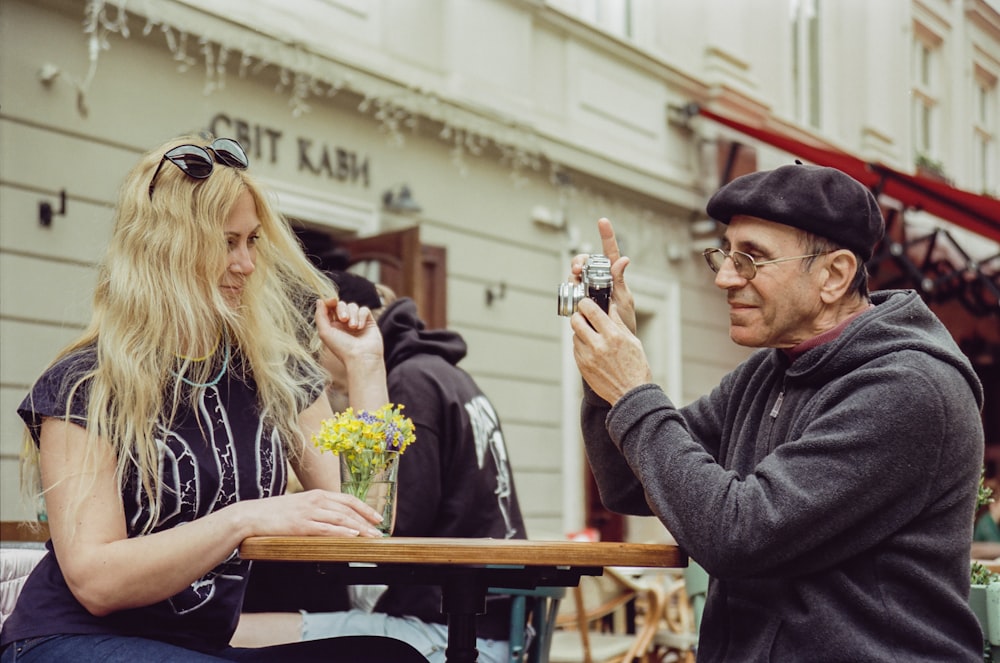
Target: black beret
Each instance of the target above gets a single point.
(355, 289)
(823, 201)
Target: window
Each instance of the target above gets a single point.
(806, 60)
(984, 127)
(926, 97)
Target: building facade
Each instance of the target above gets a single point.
(491, 134)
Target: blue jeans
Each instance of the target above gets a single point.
(124, 649)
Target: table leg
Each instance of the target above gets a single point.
(462, 598)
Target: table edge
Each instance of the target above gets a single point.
(472, 551)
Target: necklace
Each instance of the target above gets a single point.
(210, 353)
(214, 381)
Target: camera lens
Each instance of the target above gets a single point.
(568, 297)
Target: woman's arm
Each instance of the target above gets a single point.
(107, 571)
(104, 569)
(349, 333)
(315, 468)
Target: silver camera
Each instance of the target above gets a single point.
(595, 283)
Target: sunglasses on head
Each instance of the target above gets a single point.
(197, 161)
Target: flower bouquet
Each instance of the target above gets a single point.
(369, 445)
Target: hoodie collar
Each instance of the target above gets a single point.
(827, 336)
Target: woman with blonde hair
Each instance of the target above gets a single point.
(159, 438)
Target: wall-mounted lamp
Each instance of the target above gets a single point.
(45, 211)
(495, 292)
(400, 200)
(681, 115)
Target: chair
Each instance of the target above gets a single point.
(696, 585)
(985, 602)
(684, 602)
(532, 621)
(588, 633)
(21, 548)
(17, 531)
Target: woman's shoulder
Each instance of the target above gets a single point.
(73, 365)
(48, 396)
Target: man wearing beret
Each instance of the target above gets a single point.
(827, 484)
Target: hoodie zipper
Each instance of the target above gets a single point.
(773, 414)
(776, 408)
(777, 403)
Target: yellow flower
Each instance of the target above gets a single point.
(366, 440)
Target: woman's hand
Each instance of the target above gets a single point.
(311, 513)
(350, 333)
(348, 330)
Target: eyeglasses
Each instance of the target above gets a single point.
(198, 162)
(744, 263)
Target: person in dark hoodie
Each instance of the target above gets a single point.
(828, 483)
(454, 481)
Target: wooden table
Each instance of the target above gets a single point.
(463, 568)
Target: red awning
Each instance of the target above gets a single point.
(980, 214)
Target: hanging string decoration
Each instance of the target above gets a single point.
(305, 75)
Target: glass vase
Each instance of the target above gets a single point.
(376, 487)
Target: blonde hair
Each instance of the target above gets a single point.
(387, 295)
(158, 296)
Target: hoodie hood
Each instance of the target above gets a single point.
(404, 335)
(905, 324)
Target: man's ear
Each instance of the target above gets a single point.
(839, 272)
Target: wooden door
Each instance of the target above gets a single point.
(409, 268)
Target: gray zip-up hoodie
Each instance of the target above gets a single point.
(831, 498)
